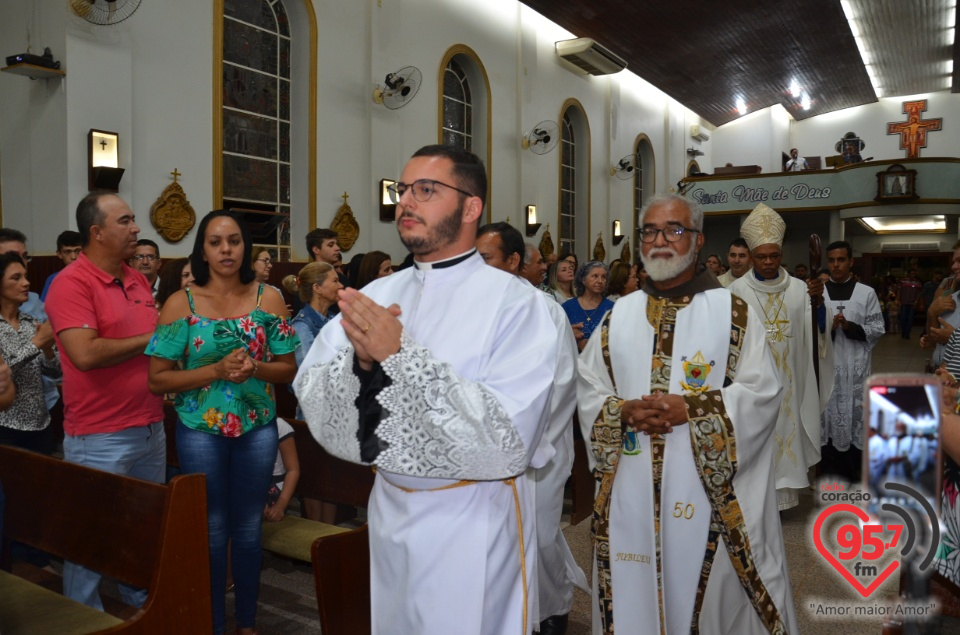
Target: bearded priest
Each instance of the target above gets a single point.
(783, 304)
(686, 530)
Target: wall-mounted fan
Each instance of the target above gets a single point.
(104, 12)
(400, 87)
(623, 170)
(542, 138)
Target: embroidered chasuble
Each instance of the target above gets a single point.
(686, 529)
(783, 307)
(451, 423)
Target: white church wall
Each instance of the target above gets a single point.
(818, 136)
(745, 141)
(150, 79)
(171, 104)
(33, 123)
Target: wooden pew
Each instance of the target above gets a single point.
(582, 484)
(144, 534)
(341, 571)
(325, 479)
(322, 478)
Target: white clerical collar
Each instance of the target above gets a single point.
(445, 263)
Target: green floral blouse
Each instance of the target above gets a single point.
(224, 407)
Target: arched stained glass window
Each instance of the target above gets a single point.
(256, 119)
(457, 107)
(568, 187)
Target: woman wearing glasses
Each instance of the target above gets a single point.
(262, 265)
(587, 309)
(221, 329)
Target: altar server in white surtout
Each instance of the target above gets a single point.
(438, 376)
(782, 304)
(678, 398)
(557, 572)
(856, 327)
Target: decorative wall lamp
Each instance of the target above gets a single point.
(532, 225)
(103, 161)
(617, 233)
(388, 201)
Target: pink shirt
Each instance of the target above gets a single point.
(116, 397)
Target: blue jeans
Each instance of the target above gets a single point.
(140, 452)
(239, 471)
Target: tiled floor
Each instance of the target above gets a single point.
(814, 582)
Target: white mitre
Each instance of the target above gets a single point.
(763, 227)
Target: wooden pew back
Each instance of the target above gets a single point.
(327, 478)
(341, 572)
(145, 534)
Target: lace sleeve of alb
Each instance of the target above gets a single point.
(327, 394)
(439, 425)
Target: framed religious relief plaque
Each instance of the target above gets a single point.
(896, 184)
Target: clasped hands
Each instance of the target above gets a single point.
(654, 414)
(236, 367)
(841, 321)
(374, 331)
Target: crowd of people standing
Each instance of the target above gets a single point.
(457, 379)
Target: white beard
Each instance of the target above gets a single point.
(660, 269)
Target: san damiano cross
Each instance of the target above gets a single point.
(913, 131)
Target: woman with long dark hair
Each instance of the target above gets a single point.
(221, 329)
(375, 264)
(175, 275)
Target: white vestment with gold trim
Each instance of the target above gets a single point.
(783, 307)
(702, 331)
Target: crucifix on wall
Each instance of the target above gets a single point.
(913, 131)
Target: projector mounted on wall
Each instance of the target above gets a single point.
(589, 57)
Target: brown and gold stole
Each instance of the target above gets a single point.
(714, 442)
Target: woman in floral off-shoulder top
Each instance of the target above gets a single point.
(221, 329)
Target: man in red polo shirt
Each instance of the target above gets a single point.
(103, 314)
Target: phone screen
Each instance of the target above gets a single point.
(903, 440)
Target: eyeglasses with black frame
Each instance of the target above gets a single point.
(422, 190)
(671, 233)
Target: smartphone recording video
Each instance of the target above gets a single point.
(903, 441)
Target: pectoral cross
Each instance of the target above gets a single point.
(775, 327)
